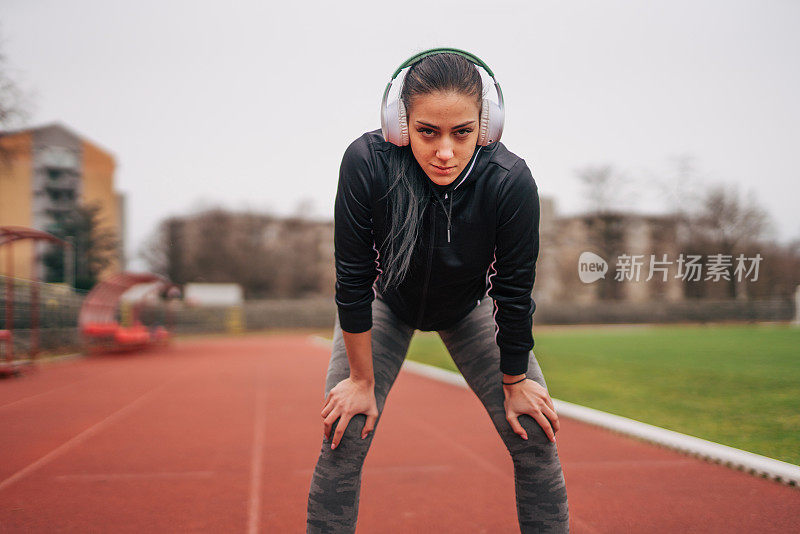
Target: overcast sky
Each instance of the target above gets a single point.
(252, 106)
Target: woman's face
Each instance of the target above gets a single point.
(443, 133)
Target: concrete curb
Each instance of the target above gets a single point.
(756, 464)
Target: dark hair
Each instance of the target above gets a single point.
(409, 191)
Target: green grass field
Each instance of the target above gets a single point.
(738, 385)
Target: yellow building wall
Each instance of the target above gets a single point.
(98, 186)
(16, 197)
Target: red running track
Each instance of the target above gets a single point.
(222, 435)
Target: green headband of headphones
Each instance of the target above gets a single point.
(463, 53)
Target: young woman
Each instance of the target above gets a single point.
(436, 229)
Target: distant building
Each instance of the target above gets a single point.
(274, 256)
(48, 170)
(269, 256)
(609, 235)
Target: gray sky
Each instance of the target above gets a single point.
(252, 106)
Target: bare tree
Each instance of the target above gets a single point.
(725, 224)
(304, 208)
(155, 250)
(729, 221)
(268, 256)
(779, 273)
(606, 189)
(597, 184)
(680, 188)
(14, 104)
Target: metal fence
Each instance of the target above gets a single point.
(691, 311)
(59, 307)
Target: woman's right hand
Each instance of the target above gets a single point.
(348, 398)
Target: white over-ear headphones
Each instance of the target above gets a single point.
(394, 123)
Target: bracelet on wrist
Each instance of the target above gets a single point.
(517, 382)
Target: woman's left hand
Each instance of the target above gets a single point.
(529, 397)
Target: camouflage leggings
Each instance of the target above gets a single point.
(539, 481)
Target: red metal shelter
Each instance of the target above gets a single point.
(8, 236)
(98, 316)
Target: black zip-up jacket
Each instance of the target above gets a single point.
(480, 237)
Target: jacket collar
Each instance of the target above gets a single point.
(468, 169)
(473, 168)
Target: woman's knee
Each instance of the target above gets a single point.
(537, 443)
(351, 442)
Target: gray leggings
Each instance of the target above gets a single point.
(540, 489)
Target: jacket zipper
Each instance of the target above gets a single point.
(447, 212)
(452, 191)
(433, 234)
(428, 271)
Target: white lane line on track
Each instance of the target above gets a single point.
(92, 477)
(57, 388)
(716, 452)
(708, 450)
(257, 458)
(83, 436)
